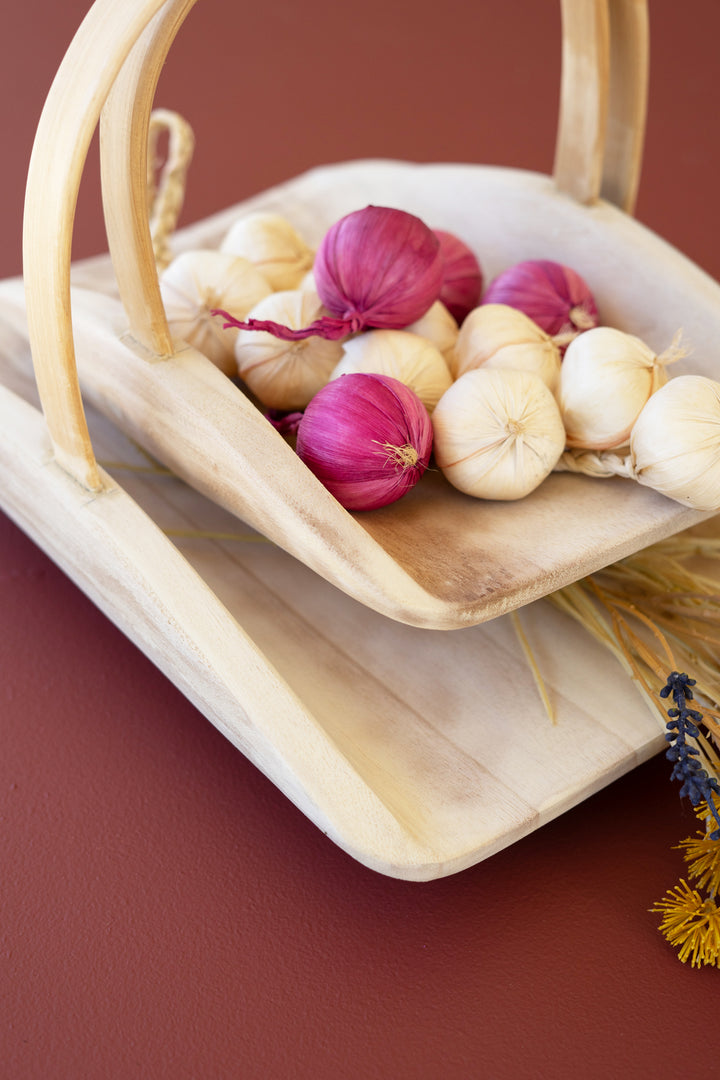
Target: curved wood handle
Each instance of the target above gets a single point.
(603, 99)
(124, 128)
(69, 118)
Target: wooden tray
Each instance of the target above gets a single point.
(419, 749)
(419, 752)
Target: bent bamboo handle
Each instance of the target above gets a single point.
(84, 79)
(124, 130)
(603, 99)
(112, 67)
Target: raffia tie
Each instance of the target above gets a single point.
(166, 179)
(598, 463)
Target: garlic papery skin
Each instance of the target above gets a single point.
(498, 336)
(439, 327)
(286, 374)
(197, 282)
(308, 282)
(407, 357)
(497, 434)
(606, 378)
(273, 245)
(675, 443)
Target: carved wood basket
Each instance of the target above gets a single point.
(345, 656)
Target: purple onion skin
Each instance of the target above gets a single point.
(547, 292)
(379, 267)
(376, 267)
(345, 431)
(462, 279)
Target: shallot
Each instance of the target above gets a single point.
(375, 267)
(556, 297)
(367, 438)
(462, 277)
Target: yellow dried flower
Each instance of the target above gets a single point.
(702, 851)
(702, 855)
(691, 924)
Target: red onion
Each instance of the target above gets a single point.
(284, 422)
(375, 267)
(367, 438)
(553, 295)
(462, 280)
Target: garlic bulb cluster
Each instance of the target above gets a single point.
(498, 434)
(675, 443)
(273, 245)
(499, 336)
(411, 359)
(286, 374)
(606, 378)
(194, 284)
(503, 406)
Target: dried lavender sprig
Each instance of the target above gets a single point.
(696, 784)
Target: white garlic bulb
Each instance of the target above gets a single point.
(438, 326)
(675, 443)
(408, 357)
(606, 378)
(286, 374)
(499, 336)
(308, 281)
(273, 245)
(497, 434)
(196, 283)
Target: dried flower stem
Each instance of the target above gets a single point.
(534, 668)
(683, 724)
(655, 612)
(690, 921)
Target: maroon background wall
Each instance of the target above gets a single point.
(164, 911)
